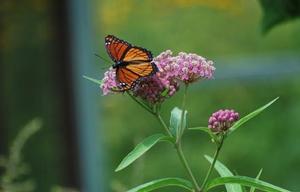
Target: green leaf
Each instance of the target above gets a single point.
(278, 11)
(252, 189)
(245, 181)
(175, 120)
(92, 79)
(249, 116)
(243, 187)
(160, 183)
(140, 149)
(224, 171)
(206, 130)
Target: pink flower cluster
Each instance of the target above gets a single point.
(154, 90)
(109, 83)
(222, 120)
(185, 67)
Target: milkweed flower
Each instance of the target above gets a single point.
(187, 67)
(109, 83)
(222, 120)
(153, 89)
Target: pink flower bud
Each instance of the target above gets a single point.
(222, 120)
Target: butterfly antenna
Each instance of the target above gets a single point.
(107, 61)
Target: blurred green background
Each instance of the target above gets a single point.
(252, 68)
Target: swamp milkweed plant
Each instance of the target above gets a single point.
(149, 82)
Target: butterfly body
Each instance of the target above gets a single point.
(123, 63)
(131, 62)
(119, 64)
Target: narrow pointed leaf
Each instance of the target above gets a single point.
(92, 79)
(160, 183)
(250, 116)
(175, 120)
(252, 189)
(223, 172)
(140, 149)
(245, 181)
(243, 187)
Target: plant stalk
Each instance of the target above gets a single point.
(162, 122)
(141, 104)
(186, 166)
(178, 140)
(212, 165)
(183, 106)
(180, 155)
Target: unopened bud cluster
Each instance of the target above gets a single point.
(222, 120)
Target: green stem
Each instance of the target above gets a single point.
(162, 122)
(178, 144)
(154, 111)
(212, 165)
(186, 166)
(180, 154)
(182, 127)
(141, 104)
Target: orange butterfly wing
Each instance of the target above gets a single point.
(130, 74)
(116, 48)
(137, 54)
(126, 78)
(137, 62)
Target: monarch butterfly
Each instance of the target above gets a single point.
(131, 62)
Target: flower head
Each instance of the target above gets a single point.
(187, 67)
(222, 120)
(153, 89)
(109, 82)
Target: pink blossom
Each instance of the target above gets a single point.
(187, 67)
(154, 90)
(109, 82)
(222, 120)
